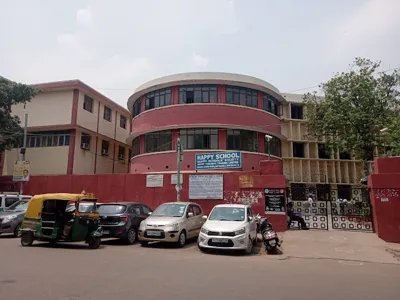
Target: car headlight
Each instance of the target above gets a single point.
(204, 230)
(8, 218)
(175, 225)
(240, 231)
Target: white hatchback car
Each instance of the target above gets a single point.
(231, 227)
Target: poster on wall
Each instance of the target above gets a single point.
(21, 170)
(174, 178)
(274, 201)
(154, 180)
(206, 187)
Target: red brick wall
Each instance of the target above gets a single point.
(385, 198)
(132, 187)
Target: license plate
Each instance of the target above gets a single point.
(154, 233)
(220, 240)
(106, 231)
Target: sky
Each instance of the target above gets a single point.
(115, 46)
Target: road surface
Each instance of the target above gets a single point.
(116, 271)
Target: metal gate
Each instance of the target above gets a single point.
(330, 211)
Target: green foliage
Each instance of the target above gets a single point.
(12, 93)
(356, 106)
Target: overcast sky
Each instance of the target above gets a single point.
(114, 46)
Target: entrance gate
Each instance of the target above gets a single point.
(329, 211)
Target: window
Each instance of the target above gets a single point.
(296, 111)
(198, 94)
(270, 104)
(137, 107)
(105, 145)
(274, 146)
(241, 96)
(146, 210)
(121, 152)
(322, 152)
(10, 201)
(243, 140)
(344, 155)
(107, 113)
(136, 146)
(197, 210)
(85, 141)
(88, 103)
(158, 98)
(136, 210)
(199, 138)
(48, 139)
(122, 121)
(298, 150)
(158, 141)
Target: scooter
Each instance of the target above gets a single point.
(269, 236)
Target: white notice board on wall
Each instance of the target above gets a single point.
(206, 187)
(154, 180)
(174, 178)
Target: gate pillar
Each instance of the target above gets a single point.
(384, 187)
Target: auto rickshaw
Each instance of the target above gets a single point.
(50, 218)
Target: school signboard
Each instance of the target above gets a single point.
(219, 160)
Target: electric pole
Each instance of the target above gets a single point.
(23, 150)
(178, 162)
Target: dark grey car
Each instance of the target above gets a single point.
(11, 219)
(122, 219)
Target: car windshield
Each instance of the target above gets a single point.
(227, 214)
(111, 209)
(86, 207)
(170, 210)
(21, 205)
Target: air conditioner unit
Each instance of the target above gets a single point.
(85, 146)
(104, 152)
(121, 157)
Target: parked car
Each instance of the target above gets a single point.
(122, 219)
(9, 198)
(11, 219)
(229, 226)
(172, 222)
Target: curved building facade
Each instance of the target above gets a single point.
(210, 112)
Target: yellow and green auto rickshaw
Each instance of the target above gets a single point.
(62, 218)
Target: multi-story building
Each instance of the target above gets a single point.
(72, 129)
(221, 111)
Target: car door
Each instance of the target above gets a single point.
(137, 215)
(198, 215)
(252, 223)
(190, 222)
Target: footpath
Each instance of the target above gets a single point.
(339, 245)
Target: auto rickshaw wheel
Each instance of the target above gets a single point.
(27, 239)
(94, 243)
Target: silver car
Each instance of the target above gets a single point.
(172, 222)
(11, 219)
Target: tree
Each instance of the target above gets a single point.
(12, 93)
(356, 106)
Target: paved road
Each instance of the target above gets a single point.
(131, 272)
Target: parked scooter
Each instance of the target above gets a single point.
(269, 236)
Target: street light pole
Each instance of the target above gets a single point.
(178, 162)
(268, 138)
(23, 150)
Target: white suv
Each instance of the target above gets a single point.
(229, 226)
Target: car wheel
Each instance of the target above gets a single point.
(182, 239)
(27, 239)
(131, 236)
(144, 243)
(16, 230)
(249, 248)
(94, 243)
